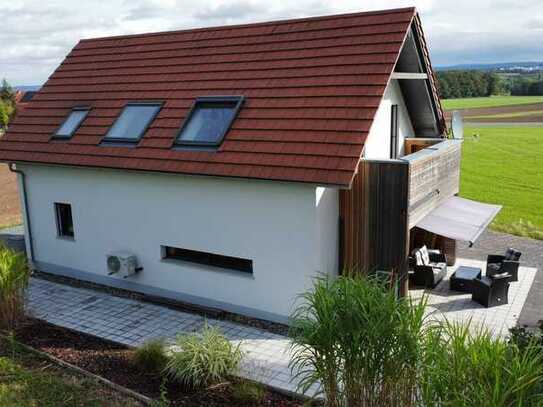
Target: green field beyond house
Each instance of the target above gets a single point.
(492, 101)
(504, 165)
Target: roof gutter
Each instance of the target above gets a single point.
(30, 250)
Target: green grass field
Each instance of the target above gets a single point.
(508, 115)
(493, 101)
(505, 166)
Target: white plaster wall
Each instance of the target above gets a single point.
(377, 145)
(327, 213)
(279, 226)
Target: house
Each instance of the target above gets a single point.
(236, 163)
(23, 97)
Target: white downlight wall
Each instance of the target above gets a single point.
(377, 144)
(290, 231)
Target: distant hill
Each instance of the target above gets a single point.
(501, 66)
(26, 88)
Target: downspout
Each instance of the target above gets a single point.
(13, 168)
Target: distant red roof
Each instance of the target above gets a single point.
(312, 88)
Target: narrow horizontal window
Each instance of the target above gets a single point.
(133, 122)
(65, 224)
(209, 120)
(208, 259)
(72, 123)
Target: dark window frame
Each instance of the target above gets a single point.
(394, 131)
(56, 136)
(217, 261)
(61, 232)
(132, 140)
(236, 100)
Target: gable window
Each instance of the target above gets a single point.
(65, 225)
(209, 120)
(394, 131)
(208, 259)
(72, 123)
(133, 122)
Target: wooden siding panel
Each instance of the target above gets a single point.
(374, 217)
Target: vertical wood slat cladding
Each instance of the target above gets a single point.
(375, 219)
(387, 198)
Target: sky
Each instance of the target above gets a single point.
(35, 35)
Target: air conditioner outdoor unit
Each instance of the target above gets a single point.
(122, 264)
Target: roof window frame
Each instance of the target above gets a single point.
(239, 100)
(133, 140)
(80, 108)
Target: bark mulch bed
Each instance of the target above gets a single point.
(114, 362)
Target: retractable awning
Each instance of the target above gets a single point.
(460, 219)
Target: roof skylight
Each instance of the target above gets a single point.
(209, 120)
(71, 123)
(133, 122)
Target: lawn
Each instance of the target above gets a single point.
(492, 101)
(26, 380)
(509, 115)
(505, 166)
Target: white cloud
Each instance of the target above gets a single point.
(36, 35)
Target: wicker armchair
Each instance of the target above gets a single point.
(491, 291)
(508, 263)
(430, 267)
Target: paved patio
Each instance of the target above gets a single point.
(267, 355)
(492, 242)
(458, 306)
(132, 322)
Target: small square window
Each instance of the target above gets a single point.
(133, 122)
(65, 225)
(209, 120)
(72, 123)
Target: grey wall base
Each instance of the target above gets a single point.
(157, 292)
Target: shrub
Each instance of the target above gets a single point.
(151, 356)
(14, 277)
(359, 341)
(204, 358)
(246, 392)
(523, 338)
(367, 348)
(466, 368)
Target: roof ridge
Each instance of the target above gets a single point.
(258, 24)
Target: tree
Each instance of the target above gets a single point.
(463, 84)
(7, 94)
(4, 115)
(7, 104)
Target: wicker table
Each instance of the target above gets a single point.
(462, 278)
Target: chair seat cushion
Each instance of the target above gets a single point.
(425, 255)
(501, 276)
(494, 266)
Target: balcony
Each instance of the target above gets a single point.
(434, 174)
(388, 197)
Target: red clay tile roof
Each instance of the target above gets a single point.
(312, 88)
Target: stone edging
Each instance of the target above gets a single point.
(121, 389)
